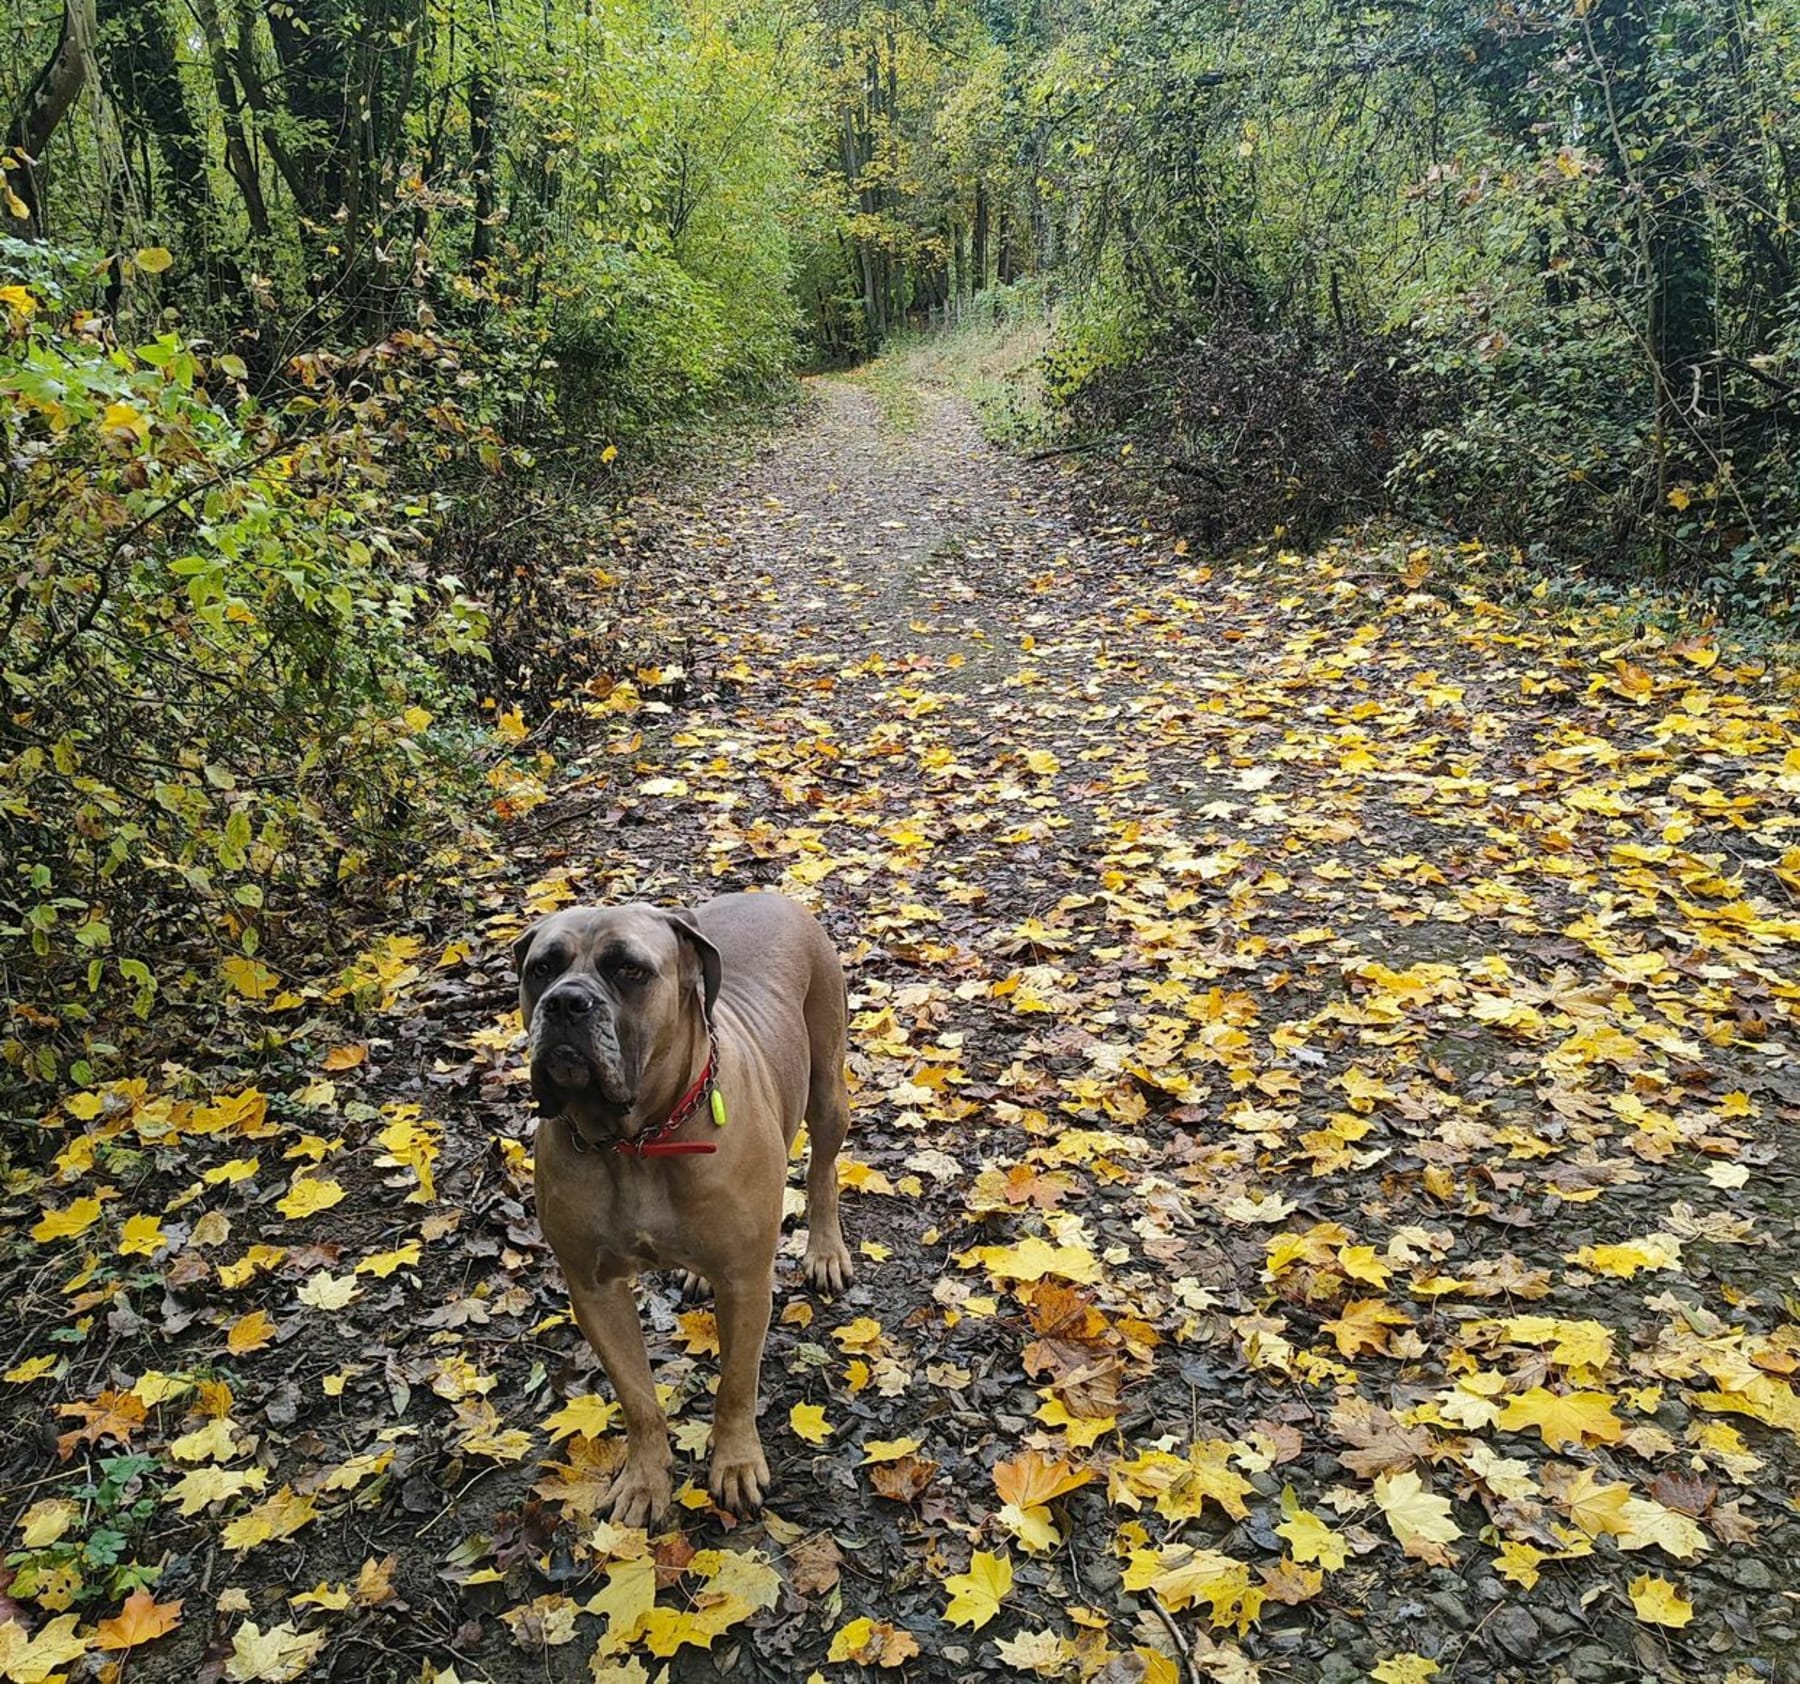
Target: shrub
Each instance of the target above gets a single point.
(1250, 428)
(219, 710)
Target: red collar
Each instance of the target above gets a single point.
(655, 1142)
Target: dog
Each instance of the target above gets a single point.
(674, 1054)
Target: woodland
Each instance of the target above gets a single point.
(1242, 557)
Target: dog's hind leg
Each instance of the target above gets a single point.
(828, 1264)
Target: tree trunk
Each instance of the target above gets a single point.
(238, 158)
(481, 167)
(44, 106)
(140, 62)
(978, 241)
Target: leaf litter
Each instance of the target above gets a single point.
(1322, 1044)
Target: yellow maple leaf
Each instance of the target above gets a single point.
(1648, 1523)
(307, 1195)
(1599, 1510)
(1568, 1418)
(975, 1596)
(1418, 1518)
(333, 1599)
(1654, 1251)
(872, 1643)
(203, 1486)
(1404, 1668)
(1182, 1575)
(381, 1264)
(326, 1291)
(250, 1333)
(1040, 1652)
(237, 1169)
(279, 1516)
(254, 1261)
(1184, 1485)
(887, 1450)
(39, 1659)
(65, 1224)
(1658, 1602)
(1032, 1259)
(864, 1334)
(1081, 1431)
(275, 1656)
(1519, 1562)
(699, 1332)
(142, 1236)
(1309, 1538)
(1360, 1263)
(46, 1521)
(33, 1368)
(624, 1602)
(1363, 1325)
(808, 1422)
(589, 1415)
(249, 977)
(215, 1442)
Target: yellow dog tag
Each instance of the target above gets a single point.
(718, 1108)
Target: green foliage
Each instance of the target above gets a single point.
(1571, 230)
(222, 661)
(100, 1565)
(316, 298)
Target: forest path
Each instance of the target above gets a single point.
(1302, 962)
(1323, 1064)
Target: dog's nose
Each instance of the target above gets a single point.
(569, 1004)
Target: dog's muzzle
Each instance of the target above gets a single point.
(575, 1051)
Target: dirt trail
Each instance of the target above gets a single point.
(1322, 1044)
(1187, 909)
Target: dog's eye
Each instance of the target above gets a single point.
(632, 973)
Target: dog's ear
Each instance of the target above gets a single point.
(703, 950)
(521, 950)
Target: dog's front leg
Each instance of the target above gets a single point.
(739, 1477)
(608, 1316)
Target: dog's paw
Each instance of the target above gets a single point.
(739, 1481)
(828, 1265)
(640, 1496)
(695, 1289)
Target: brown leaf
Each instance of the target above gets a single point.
(1379, 1444)
(1685, 1496)
(1291, 1583)
(814, 1564)
(904, 1480)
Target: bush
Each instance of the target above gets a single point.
(1251, 428)
(220, 707)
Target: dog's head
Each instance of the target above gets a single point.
(609, 993)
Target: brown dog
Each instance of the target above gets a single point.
(673, 1056)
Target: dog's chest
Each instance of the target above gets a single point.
(625, 1223)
